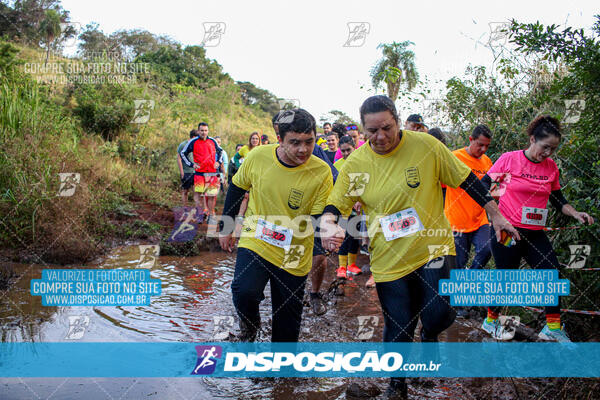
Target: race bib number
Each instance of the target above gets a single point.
(276, 235)
(400, 224)
(534, 216)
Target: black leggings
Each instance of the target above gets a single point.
(349, 245)
(534, 247)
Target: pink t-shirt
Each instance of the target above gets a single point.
(338, 153)
(526, 184)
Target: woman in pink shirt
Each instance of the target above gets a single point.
(524, 181)
(351, 130)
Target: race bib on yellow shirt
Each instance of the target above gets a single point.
(534, 216)
(276, 235)
(400, 224)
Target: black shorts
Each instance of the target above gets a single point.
(187, 181)
(318, 249)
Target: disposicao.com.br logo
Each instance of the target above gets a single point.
(323, 362)
(280, 361)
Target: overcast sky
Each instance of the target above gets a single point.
(296, 49)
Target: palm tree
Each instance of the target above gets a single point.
(395, 68)
(51, 29)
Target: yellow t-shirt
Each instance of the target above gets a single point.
(338, 164)
(408, 176)
(463, 213)
(245, 150)
(286, 197)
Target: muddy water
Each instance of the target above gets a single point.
(195, 291)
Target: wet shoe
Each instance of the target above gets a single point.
(496, 330)
(371, 282)
(558, 335)
(398, 389)
(354, 270)
(364, 250)
(317, 303)
(247, 332)
(341, 272)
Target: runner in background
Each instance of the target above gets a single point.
(352, 131)
(528, 179)
(438, 134)
(223, 164)
(469, 222)
(349, 248)
(287, 186)
(396, 178)
(234, 165)
(326, 128)
(415, 123)
(206, 153)
(238, 158)
(332, 145)
(186, 173)
(264, 139)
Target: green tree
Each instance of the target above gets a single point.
(396, 68)
(51, 29)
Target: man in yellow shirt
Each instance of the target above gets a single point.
(396, 177)
(468, 220)
(287, 186)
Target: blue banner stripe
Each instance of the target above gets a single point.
(309, 359)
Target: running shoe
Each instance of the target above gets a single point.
(317, 303)
(557, 335)
(496, 330)
(354, 270)
(341, 272)
(364, 250)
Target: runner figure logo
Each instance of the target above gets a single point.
(579, 255)
(68, 183)
(77, 326)
(295, 199)
(366, 326)
(436, 255)
(212, 33)
(288, 104)
(222, 325)
(186, 224)
(357, 33)
(148, 254)
(413, 179)
(510, 323)
(292, 256)
(573, 110)
(358, 183)
(142, 111)
(207, 359)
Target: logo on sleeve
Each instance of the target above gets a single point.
(295, 199)
(412, 177)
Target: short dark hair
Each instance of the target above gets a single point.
(481, 130)
(202, 124)
(193, 133)
(347, 139)
(296, 120)
(375, 104)
(543, 126)
(340, 129)
(333, 133)
(438, 134)
(325, 124)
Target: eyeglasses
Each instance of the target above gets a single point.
(351, 128)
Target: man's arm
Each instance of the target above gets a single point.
(189, 147)
(180, 165)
